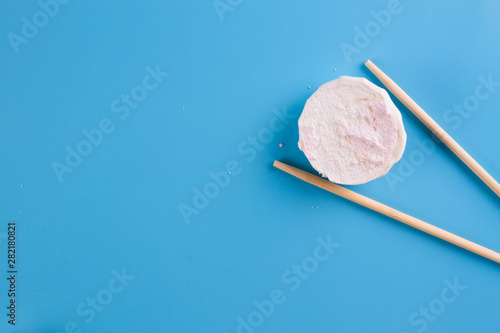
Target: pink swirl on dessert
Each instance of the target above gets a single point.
(374, 138)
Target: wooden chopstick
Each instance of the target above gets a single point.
(388, 211)
(434, 127)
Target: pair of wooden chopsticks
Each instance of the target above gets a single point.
(386, 210)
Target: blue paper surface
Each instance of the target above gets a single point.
(121, 121)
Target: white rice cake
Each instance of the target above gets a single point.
(351, 132)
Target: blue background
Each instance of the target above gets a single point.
(119, 209)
